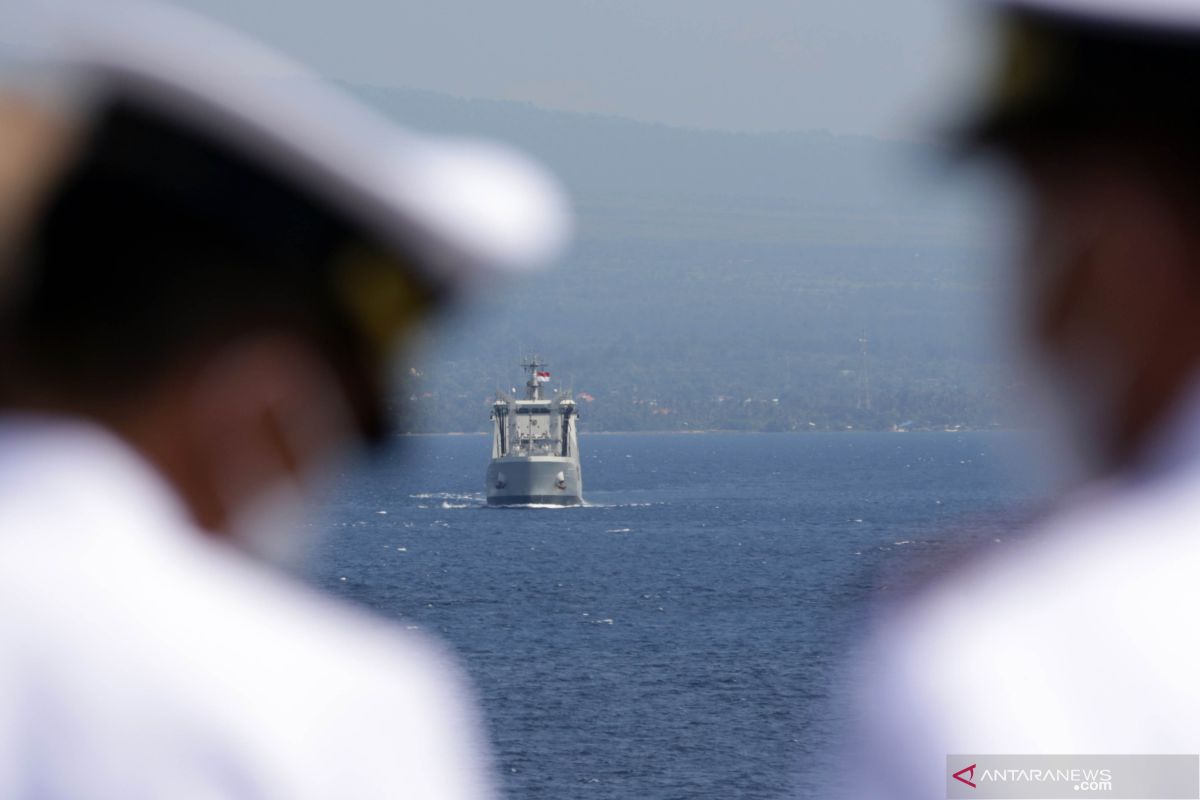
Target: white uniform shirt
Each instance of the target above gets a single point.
(140, 659)
(1081, 639)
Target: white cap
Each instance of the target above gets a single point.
(465, 207)
(1182, 15)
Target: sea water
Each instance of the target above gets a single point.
(685, 634)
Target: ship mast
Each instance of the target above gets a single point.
(533, 388)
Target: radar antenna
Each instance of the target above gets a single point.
(537, 375)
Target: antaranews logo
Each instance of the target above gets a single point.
(970, 772)
(1070, 777)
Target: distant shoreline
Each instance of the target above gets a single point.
(726, 430)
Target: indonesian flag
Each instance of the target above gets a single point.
(542, 377)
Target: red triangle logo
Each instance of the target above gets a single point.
(969, 780)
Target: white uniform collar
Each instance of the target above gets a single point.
(65, 463)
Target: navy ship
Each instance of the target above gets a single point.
(535, 447)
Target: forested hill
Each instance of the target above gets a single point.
(729, 281)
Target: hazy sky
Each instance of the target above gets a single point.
(849, 66)
(878, 67)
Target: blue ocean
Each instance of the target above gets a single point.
(685, 634)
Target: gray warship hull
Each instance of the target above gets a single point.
(534, 481)
(535, 447)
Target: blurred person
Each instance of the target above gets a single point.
(1081, 637)
(206, 277)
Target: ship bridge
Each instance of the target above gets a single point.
(534, 425)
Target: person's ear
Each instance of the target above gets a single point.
(261, 410)
(1143, 261)
(1121, 266)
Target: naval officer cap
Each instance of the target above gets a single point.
(463, 206)
(208, 172)
(1071, 68)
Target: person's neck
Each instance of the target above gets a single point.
(146, 427)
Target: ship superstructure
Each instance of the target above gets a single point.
(535, 446)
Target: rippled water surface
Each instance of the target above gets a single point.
(684, 635)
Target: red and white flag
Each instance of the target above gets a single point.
(543, 376)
